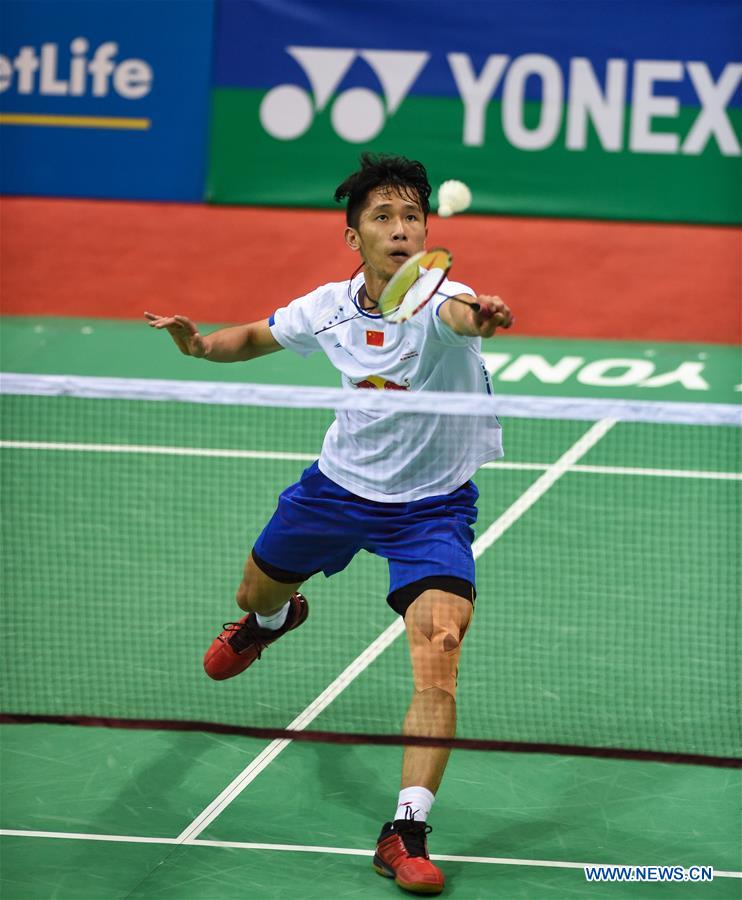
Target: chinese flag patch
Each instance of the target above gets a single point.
(375, 338)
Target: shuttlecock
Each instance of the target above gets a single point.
(453, 197)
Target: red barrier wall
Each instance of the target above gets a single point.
(563, 278)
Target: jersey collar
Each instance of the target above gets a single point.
(354, 288)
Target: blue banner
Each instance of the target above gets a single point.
(620, 109)
(105, 99)
(562, 30)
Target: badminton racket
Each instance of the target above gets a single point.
(415, 284)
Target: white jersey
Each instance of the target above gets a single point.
(391, 457)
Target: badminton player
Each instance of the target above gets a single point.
(348, 501)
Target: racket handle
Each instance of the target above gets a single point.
(475, 306)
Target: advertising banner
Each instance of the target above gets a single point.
(623, 110)
(106, 98)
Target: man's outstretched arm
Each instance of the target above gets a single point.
(236, 344)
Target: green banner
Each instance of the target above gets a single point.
(575, 109)
(247, 165)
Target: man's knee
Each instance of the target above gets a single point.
(436, 624)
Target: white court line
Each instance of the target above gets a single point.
(216, 452)
(541, 485)
(622, 470)
(659, 473)
(263, 759)
(157, 450)
(308, 848)
(498, 527)
(78, 836)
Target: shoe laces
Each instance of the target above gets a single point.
(241, 635)
(413, 835)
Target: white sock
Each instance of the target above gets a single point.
(274, 622)
(414, 803)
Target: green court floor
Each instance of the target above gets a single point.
(523, 816)
(607, 615)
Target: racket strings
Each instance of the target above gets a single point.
(414, 284)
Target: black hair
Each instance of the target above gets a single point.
(407, 176)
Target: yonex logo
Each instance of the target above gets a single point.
(358, 114)
(580, 94)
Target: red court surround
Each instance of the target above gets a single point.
(563, 278)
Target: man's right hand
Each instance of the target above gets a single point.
(182, 330)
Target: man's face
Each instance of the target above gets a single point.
(391, 228)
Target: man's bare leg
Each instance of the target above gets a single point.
(261, 594)
(435, 638)
(436, 622)
(432, 712)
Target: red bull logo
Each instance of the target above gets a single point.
(376, 382)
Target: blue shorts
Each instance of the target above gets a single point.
(318, 526)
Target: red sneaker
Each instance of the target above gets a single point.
(241, 643)
(402, 854)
